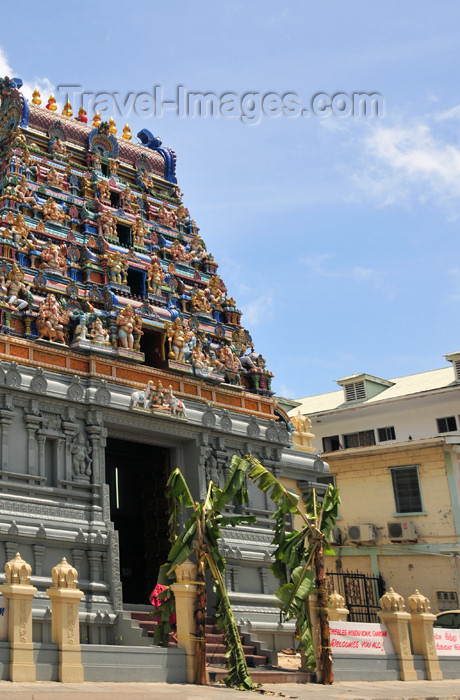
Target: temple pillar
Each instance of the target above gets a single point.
(185, 592)
(65, 626)
(421, 623)
(19, 593)
(393, 615)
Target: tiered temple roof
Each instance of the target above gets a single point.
(102, 269)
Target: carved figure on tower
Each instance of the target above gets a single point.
(155, 277)
(117, 267)
(16, 290)
(139, 231)
(51, 319)
(54, 256)
(129, 327)
(53, 212)
(107, 226)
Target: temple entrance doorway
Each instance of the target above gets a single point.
(137, 475)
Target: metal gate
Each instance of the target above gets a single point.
(362, 593)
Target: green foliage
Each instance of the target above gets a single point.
(295, 549)
(200, 535)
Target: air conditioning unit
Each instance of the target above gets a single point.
(361, 533)
(402, 531)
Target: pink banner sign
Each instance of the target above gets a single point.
(447, 641)
(360, 638)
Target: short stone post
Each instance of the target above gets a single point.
(20, 593)
(185, 593)
(65, 626)
(393, 615)
(422, 634)
(336, 608)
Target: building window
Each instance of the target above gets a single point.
(406, 488)
(355, 391)
(447, 425)
(331, 443)
(447, 600)
(387, 433)
(362, 439)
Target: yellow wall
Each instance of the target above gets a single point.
(364, 482)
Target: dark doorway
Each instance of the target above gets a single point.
(137, 476)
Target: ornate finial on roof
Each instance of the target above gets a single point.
(112, 126)
(36, 97)
(97, 119)
(82, 116)
(127, 132)
(67, 111)
(52, 106)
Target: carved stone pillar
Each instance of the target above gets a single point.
(33, 423)
(18, 591)
(6, 416)
(38, 550)
(97, 434)
(10, 549)
(65, 627)
(263, 572)
(70, 428)
(41, 439)
(236, 578)
(393, 615)
(423, 643)
(94, 558)
(77, 556)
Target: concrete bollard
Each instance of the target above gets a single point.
(422, 634)
(393, 615)
(19, 593)
(65, 627)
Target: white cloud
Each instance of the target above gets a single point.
(45, 86)
(413, 162)
(258, 310)
(322, 265)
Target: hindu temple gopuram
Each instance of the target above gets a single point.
(123, 355)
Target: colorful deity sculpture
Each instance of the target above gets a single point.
(107, 226)
(178, 252)
(16, 290)
(129, 327)
(117, 267)
(53, 212)
(200, 301)
(59, 149)
(139, 231)
(97, 333)
(51, 320)
(54, 256)
(53, 179)
(103, 191)
(167, 217)
(181, 339)
(155, 277)
(128, 200)
(22, 193)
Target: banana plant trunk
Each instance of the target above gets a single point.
(321, 586)
(200, 617)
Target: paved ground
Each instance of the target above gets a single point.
(390, 690)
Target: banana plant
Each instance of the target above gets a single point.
(200, 536)
(299, 557)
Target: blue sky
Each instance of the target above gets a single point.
(338, 236)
